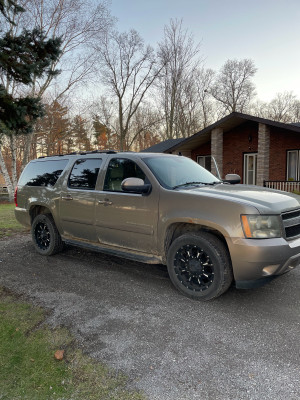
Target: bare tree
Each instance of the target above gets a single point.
(178, 57)
(128, 69)
(203, 80)
(144, 128)
(283, 108)
(233, 87)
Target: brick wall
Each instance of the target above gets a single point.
(235, 144)
(280, 142)
(203, 150)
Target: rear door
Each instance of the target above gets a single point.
(126, 220)
(77, 200)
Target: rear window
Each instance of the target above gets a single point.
(42, 173)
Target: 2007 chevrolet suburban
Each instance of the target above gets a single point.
(159, 208)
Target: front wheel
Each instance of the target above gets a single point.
(199, 265)
(45, 236)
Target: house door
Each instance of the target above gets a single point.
(250, 167)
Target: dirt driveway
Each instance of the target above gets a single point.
(244, 345)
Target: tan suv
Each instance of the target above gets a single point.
(159, 208)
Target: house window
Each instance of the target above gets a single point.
(205, 162)
(250, 168)
(293, 166)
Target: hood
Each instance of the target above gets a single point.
(264, 199)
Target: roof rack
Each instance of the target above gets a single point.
(82, 153)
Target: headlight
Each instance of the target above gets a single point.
(261, 226)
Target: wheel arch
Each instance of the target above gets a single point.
(179, 228)
(37, 209)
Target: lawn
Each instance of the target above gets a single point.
(29, 369)
(8, 222)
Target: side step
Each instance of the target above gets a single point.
(130, 255)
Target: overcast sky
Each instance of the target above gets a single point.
(267, 31)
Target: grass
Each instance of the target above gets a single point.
(8, 222)
(29, 370)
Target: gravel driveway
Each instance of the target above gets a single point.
(244, 345)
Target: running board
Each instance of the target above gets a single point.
(118, 253)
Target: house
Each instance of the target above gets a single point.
(261, 151)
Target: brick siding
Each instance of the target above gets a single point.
(203, 150)
(280, 142)
(235, 144)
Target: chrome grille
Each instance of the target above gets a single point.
(291, 223)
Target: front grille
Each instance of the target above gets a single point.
(291, 223)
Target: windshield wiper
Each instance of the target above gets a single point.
(194, 183)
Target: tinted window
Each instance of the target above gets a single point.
(84, 174)
(42, 173)
(120, 169)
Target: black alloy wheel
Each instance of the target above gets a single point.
(194, 268)
(45, 236)
(42, 236)
(199, 265)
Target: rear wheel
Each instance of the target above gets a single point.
(199, 265)
(45, 236)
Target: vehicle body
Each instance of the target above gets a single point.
(147, 207)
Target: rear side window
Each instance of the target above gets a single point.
(42, 173)
(84, 174)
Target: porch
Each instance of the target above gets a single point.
(287, 186)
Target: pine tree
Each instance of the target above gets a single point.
(23, 59)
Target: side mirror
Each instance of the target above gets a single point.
(135, 185)
(232, 179)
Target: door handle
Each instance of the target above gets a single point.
(68, 197)
(105, 202)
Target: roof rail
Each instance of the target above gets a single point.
(82, 153)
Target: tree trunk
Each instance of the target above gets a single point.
(28, 141)
(13, 149)
(7, 179)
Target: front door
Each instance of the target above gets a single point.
(250, 167)
(126, 220)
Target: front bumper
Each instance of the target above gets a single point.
(256, 261)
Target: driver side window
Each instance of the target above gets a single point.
(118, 170)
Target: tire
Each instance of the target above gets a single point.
(199, 266)
(45, 236)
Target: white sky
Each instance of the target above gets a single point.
(267, 31)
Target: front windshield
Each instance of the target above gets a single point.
(175, 171)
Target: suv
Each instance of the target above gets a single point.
(159, 208)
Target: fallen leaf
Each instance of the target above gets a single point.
(59, 354)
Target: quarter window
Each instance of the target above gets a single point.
(42, 173)
(84, 174)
